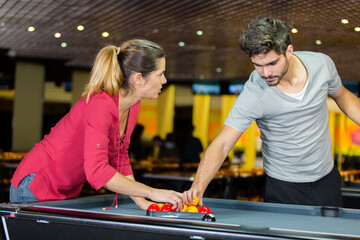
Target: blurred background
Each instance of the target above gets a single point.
(47, 49)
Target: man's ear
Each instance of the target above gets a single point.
(289, 51)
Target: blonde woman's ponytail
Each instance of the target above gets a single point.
(106, 73)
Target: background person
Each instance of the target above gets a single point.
(91, 142)
(136, 147)
(191, 148)
(286, 95)
(169, 149)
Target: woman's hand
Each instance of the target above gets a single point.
(167, 196)
(128, 186)
(142, 202)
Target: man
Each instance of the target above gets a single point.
(191, 146)
(286, 95)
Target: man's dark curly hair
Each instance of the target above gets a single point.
(265, 34)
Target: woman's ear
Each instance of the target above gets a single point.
(138, 79)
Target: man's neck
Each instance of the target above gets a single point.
(296, 77)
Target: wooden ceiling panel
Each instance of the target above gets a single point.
(169, 22)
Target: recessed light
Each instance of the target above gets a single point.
(57, 35)
(80, 27)
(11, 53)
(218, 70)
(31, 29)
(294, 30)
(318, 42)
(344, 21)
(64, 44)
(105, 34)
(199, 33)
(357, 29)
(181, 44)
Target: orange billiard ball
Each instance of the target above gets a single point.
(195, 201)
(160, 205)
(192, 208)
(185, 207)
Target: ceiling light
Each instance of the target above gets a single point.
(57, 35)
(31, 29)
(105, 34)
(344, 21)
(294, 30)
(181, 44)
(11, 53)
(80, 27)
(64, 44)
(357, 29)
(199, 33)
(318, 42)
(218, 70)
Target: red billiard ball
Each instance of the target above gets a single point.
(204, 209)
(153, 207)
(167, 208)
(174, 210)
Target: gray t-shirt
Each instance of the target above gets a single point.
(296, 143)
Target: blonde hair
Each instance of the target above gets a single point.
(111, 71)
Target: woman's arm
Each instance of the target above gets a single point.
(140, 201)
(127, 186)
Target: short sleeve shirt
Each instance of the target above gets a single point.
(296, 143)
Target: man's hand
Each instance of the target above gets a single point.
(191, 194)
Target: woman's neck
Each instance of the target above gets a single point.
(126, 101)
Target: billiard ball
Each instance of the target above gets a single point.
(166, 208)
(192, 208)
(204, 209)
(184, 209)
(209, 217)
(153, 207)
(172, 207)
(195, 201)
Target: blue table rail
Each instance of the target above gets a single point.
(85, 218)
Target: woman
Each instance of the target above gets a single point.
(91, 142)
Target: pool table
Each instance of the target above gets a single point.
(351, 194)
(84, 218)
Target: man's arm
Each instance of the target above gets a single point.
(211, 161)
(348, 103)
